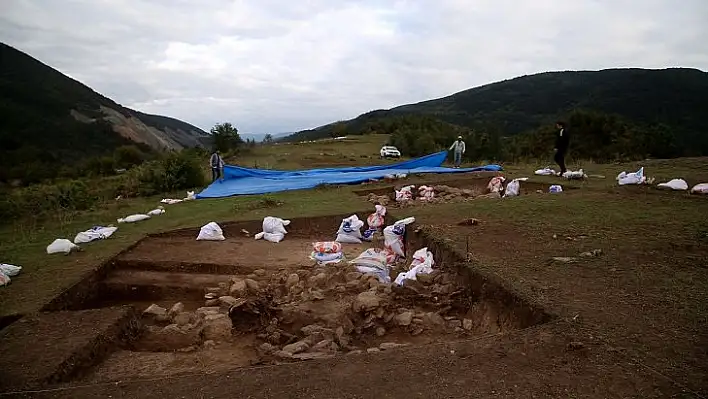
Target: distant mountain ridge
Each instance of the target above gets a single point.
(46, 116)
(674, 97)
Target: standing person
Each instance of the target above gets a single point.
(217, 166)
(459, 148)
(561, 147)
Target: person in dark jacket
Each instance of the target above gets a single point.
(561, 147)
(217, 166)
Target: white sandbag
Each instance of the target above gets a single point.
(350, 230)
(94, 233)
(61, 246)
(545, 172)
(376, 219)
(325, 258)
(393, 239)
(10, 270)
(273, 237)
(574, 175)
(637, 177)
(373, 261)
(675, 184)
(211, 232)
(190, 196)
(272, 224)
(134, 218)
(422, 264)
(157, 211)
(4, 279)
(496, 184)
(404, 194)
(555, 188)
(170, 201)
(700, 188)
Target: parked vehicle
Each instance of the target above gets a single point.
(389, 151)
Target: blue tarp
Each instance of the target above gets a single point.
(240, 181)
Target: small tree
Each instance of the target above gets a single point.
(268, 138)
(226, 137)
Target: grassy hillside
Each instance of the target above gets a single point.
(671, 98)
(48, 119)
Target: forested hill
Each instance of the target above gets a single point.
(674, 99)
(48, 120)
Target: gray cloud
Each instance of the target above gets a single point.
(275, 65)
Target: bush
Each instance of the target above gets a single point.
(175, 171)
(44, 200)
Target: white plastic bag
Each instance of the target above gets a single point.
(350, 230)
(211, 232)
(675, 184)
(512, 189)
(574, 175)
(373, 261)
(637, 177)
(422, 264)
(554, 189)
(700, 188)
(61, 246)
(94, 233)
(133, 218)
(10, 270)
(376, 219)
(545, 172)
(157, 211)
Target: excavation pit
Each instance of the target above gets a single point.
(240, 302)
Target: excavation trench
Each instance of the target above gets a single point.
(239, 302)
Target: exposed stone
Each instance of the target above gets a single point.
(251, 276)
(366, 302)
(318, 280)
(576, 345)
(417, 320)
(208, 310)
(155, 310)
(312, 355)
(216, 291)
(417, 331)
(283, 355)
(169, 338)
(317, 295)
(209, 344)
(454, 323)
(238, 288)
(212, 302)
(183, 318)
(259, 272)
(355, 352)
(188, 349)
(425, 279)
(292, 280)
(228, 301)
(325, 346)
(467, 324)
(353, 276)
(353, 284)
(297, 347)
(380, 313)
(341, 289)
(176, 308)
(217, 327)
(274, 338)
(252, 286)
(433, 319)
(390, 345)
(404, 319)
(267, 348)
(380, 331)
(388, 317)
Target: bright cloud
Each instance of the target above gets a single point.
(277, 65)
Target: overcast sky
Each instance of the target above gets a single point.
(286, 65)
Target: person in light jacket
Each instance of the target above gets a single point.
(459, 148)
(217, 166)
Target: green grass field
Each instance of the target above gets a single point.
(44, 276)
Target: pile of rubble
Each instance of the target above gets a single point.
(442, 194)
